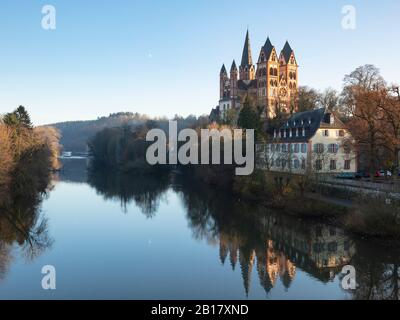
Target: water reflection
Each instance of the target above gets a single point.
(146, 192)
(264, 250)
(260, 240)
(22, 223)
(273, 243)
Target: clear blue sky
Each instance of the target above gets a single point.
(163, 57)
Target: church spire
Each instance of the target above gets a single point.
(246, 69)
(223, 70)
(246, 56)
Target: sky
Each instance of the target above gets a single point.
(163, 58)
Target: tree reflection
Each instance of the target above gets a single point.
(377, 273)
(21, 220)
(145, 191)
(261, 240)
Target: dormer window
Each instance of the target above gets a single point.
(284, 133)
(290, 133)
(297, 132)
(332, 119)
(304, 132)
(275, 134)
(309, 120)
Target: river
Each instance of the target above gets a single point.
(130, 237)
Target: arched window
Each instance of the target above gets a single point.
(275, 72)
(271, 71)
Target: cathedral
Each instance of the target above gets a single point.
(271, 86)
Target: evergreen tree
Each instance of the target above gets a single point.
(249, 119)
(19, 117)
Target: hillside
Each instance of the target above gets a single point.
(76, 134)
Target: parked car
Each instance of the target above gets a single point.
(381, 173)
(346, 175)
(362, 174)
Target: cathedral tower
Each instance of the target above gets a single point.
(268, 78)
(289, 77)
(234, 80)
(223, 83)
(246, 68)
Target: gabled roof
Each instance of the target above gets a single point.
(287, 51)
(246, 56)
(268, 47)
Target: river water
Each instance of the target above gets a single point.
(130, 237)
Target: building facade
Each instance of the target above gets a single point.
(312, 141)
(272, 85)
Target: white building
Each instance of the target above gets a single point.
(310, 141)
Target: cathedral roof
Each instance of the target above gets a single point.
(247, 84)
(223, 69)
(246, 56)
(233, 67)
(287, 51)
(268, 47)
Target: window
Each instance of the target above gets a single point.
(284, 148)
(304, 148)
(333, 148)
(296, 148)
(290, 133)
(272, 163)
(325, 133)
(341, 133)
(347, 164)
(278, 162)
(284, 133)
(274, 133)
(332, 165)
(297, 132)
(296, 163)
(278, 148)
(304, 132)
(303, 163)
(318, 148)
(318, 165)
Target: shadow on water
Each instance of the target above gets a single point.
(260, 240)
